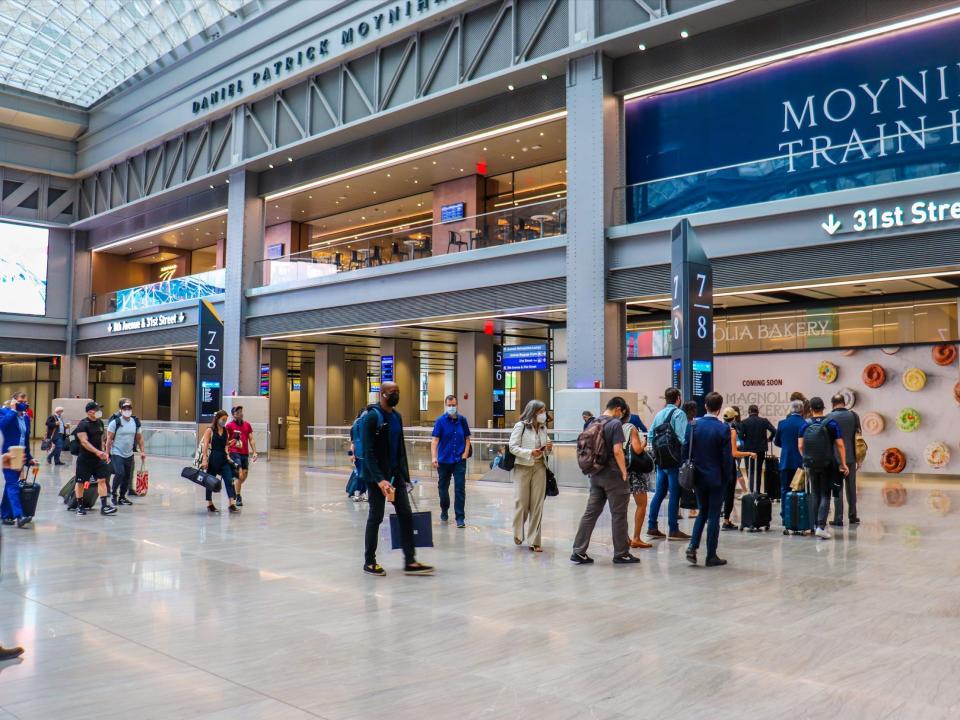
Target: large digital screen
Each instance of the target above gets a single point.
(524, 357)
(23, 269)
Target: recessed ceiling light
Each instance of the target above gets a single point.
(543, 76)
(642, 46)
(289, 159)
(388, 174)
(228, 181)
(415, 182)
(363, 217)
(435, 162)
(684, 34)
(270, 166)
(461, 169)
(512, 157)
(374, 192)
(211, 187)
(510, 87)
(348, 187)
(276, 206)
(309, 197)
(484, 149)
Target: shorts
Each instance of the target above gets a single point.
(94, 468)
(241, 461)
(639, 483)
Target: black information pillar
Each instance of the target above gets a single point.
(209, 364)
(691, 317)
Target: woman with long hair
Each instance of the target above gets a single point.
(730, 416)
(214, 459)
(639, 483)
(530, 447)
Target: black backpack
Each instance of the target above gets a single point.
(817, 446)
(74, 444)
(666, 444)
(116, 416)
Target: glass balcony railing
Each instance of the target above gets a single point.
(144, 297)
(513, 224)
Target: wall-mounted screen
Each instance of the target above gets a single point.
(23, 269)
(449, 213)
(524, 357)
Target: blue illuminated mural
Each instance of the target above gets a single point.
(191, 287)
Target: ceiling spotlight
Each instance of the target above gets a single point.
(543, 76)
(388, 174)
(289, 159)
(642, 46)
(510, 87)
(211, 187)
(228, 181)
(270, 166)
(684, 34)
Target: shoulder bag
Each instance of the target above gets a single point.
(509, 459)
(688, 473)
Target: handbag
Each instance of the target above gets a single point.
(640, 463)
(46, 444)
(142, 484)
(552, 488)
(688, 473)
(798, 482)
(422, 527)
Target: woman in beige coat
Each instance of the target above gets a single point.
(530, 446)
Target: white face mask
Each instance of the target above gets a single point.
(451, 409)
(542, 418)
(98, 414)
(127, 413)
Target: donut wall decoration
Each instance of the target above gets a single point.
(944, 355)
(893, 460)
(874, 376)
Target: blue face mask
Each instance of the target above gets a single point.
(451, 409)
(22, 406)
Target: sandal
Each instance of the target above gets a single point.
(536, 548)
(517, 541)
(640, 544)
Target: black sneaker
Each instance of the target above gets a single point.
(715, 561)
(81, 510)
(108, 510)
(691, 556)
(24, 521)
(234, 509)
(124, 501)
(375, 570)
(417, 569)
(461, 524)
(444, 517)
(9, 521)
(113, 499)
(581, 559)
(855, 521)
(239, 501)
(836, 523)
(728, 526)
(625, 559)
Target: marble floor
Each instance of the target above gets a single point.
(164, 611)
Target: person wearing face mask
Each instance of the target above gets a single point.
(92, 462)
(610, 485)
(450, 448)
(385, 470)
(123, 440)
(15, 426)
(530, 446)
(214, 459)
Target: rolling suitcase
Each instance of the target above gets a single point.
(771, 475)
(798, 510)
(29, 492)
(68, 493)
(756, 510)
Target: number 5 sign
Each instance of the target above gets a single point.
(209, 363)
(691, 315)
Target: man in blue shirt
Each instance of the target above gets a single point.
(788, 432)
(15, 427)
(821, 444)
(668, 478)
(450, 448)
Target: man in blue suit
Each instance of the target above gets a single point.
(713, 460)
(15, 427)
(788, 432)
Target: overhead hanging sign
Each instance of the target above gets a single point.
(320, 49)
(146, 322)
(691, 317)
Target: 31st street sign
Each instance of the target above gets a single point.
(918, 213)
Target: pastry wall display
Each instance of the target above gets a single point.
(907, 397)
(894, 494)
(938, 502)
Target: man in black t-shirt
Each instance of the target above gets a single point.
(92, 462)
(608, 485)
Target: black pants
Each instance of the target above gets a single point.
(729, 496)
(122, 474)
(378, 502)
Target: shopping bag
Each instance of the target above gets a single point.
(142, 484)
(422, 530)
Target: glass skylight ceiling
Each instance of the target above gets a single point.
(79, 50)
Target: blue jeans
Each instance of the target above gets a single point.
(54, 454)
(710, 501)
(786, 477)
(225, 471)
(10, 506)
(666, 478)
(459, 472)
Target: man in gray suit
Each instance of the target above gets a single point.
(849, 424)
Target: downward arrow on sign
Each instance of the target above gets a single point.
(831, 225)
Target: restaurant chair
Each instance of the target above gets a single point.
(457, 241)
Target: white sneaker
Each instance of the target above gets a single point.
(822, 533)
(356, 497)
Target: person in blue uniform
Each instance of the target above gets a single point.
(15, 426)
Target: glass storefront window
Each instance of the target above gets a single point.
(823, 328)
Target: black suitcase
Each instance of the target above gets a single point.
(29, 494)
(771, 476)
(756, 510)
(69, 494)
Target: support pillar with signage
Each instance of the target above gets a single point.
(331, 387)
(475, 377)
(691, 316)
(209, 363)
(396, 358)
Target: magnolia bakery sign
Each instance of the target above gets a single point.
(319, 49)
(773, 330)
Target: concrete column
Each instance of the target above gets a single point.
(406, 373)
(331, 388)
(75, 369)
(241, 356)
(307, 392)
(279, 397)
(185, 388)
(356, 396)
(595, 348)
(145, 400)
(475, 377)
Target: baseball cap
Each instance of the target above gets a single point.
(126, 405)
(729, 414)
(93, 405)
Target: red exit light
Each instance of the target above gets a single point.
(481, 167)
